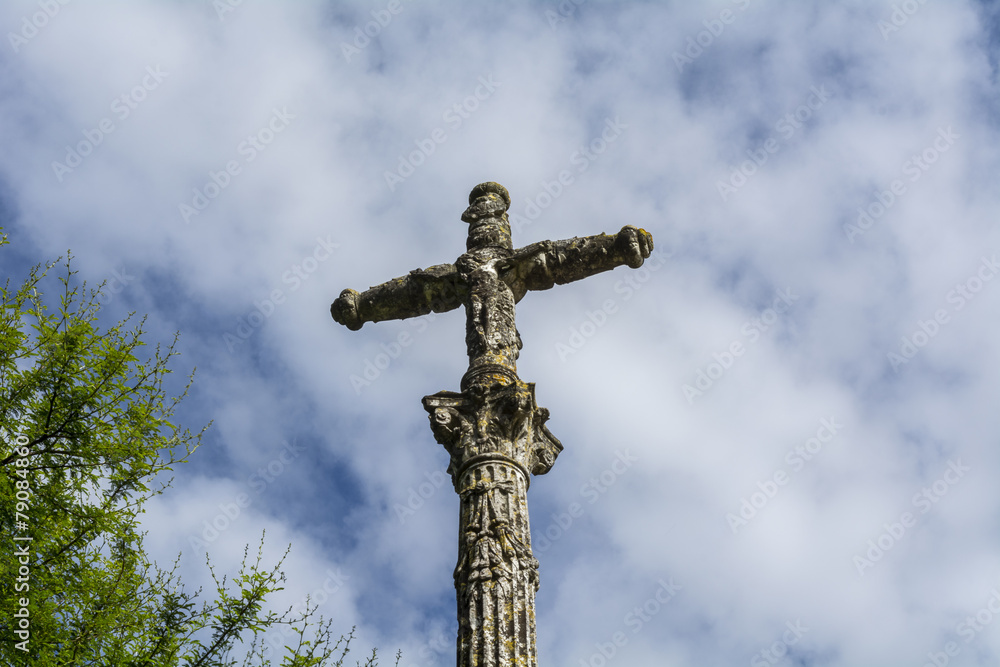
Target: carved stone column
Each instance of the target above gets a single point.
(493, 430)
(496, 436)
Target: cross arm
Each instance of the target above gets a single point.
(436, 289)
(541, 265)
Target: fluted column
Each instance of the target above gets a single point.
(496, 577)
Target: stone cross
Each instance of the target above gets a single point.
(493, 430)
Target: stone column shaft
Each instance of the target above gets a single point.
(496, 577)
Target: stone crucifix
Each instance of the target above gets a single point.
(493, 429)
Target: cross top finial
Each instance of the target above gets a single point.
(487, 217)
(488, 187)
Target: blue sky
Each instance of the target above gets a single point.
(780, 434)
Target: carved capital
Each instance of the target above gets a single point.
(494, 421)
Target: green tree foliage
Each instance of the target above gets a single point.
(87, 436)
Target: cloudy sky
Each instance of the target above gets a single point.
(779, 441)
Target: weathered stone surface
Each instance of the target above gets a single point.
(493, 430)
